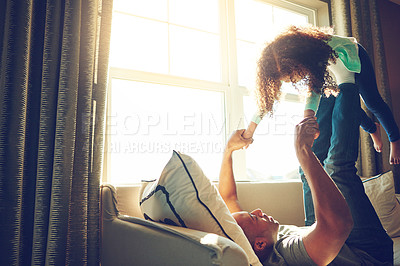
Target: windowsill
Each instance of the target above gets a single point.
(270, 181)
(216, 182)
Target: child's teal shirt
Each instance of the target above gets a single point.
(347, 49)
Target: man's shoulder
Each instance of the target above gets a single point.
(289, 248)
(292, 230)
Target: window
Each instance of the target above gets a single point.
(181, 76)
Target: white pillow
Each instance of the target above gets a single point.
(184, 196)
(380, 190)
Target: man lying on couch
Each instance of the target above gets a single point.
(347, 230)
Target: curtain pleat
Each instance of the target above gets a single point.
(48, 106)
(104, 10)
(15, 70)
(53, 80)
(340, 12)
(78, 215)
(360, 19)
(64, 145)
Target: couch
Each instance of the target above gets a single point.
(128, 239)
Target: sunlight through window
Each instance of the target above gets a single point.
(181, 77)
(149, 121)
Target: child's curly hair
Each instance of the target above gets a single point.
(297, 52)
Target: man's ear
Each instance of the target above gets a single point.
(260, 243)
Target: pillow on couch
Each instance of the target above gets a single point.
(184, 196)
(380, 190)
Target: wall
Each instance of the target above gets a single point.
(282, 200)
(390, 22)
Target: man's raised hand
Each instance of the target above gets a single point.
(305, 133)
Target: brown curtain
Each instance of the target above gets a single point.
(360, 19)
(53, 76)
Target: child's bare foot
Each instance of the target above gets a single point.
(395, 152)
(376, 138)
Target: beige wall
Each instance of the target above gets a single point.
(282, 200)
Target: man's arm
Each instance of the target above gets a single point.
(333, 217)
(227, 185)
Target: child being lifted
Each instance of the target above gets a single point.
(306, 54)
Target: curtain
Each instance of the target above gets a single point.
(53, 76)
(360, 19)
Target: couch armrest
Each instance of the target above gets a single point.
(135, 241)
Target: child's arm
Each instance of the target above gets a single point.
(312, 102)
(248, 134)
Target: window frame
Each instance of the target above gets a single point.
(316, 10)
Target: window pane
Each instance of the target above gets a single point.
(148, 121)
(182, 38)
(256, 24)
(274, 156)
(253, 20)
(143, 8)
(195, 54)
(202, 15)
(284, 18)
(247, 54)
(143, 47)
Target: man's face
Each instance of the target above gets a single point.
(257, 223)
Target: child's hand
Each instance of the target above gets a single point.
(308, 113)
(311, 113)
(305, 133)
(237, 141)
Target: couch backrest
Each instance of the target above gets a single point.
(282, 200)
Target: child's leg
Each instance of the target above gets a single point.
(373, 128)
(368, 233)
(320, 148)
(366, 123)
(376, 138)
(395, 152)
(369, 91)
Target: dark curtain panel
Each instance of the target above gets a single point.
(53, 77)
(360, 19)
